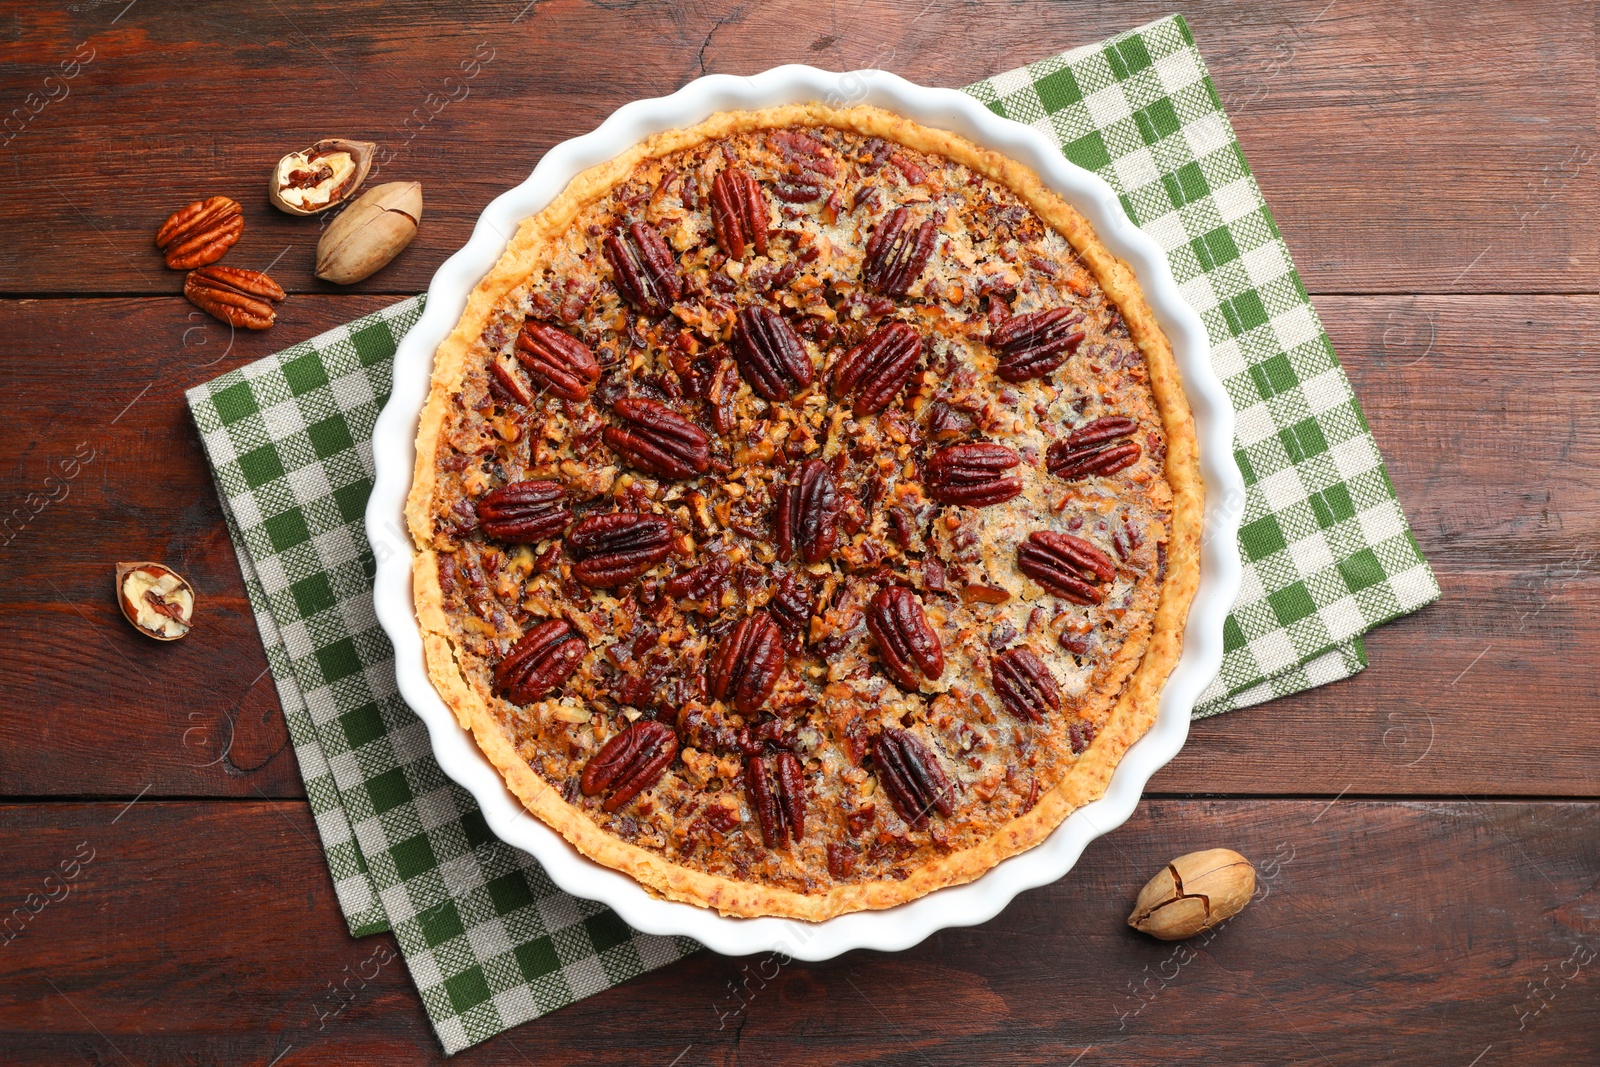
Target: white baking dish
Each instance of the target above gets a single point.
(394, 454)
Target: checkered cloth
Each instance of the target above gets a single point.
(488, 939)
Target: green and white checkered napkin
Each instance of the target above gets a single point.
(489, 940)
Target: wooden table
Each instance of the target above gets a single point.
(1430, 826)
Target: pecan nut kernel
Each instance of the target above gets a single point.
(556, 361)
(239, 297)
(1065, 565)
(644, 269)
(630, 763)
(1097, 448)
(770, 354)
(540, 662)
(155, 599)
(200, 233)
(972, 474)
(369, 233)
(907, 645)
(658, 440)
(876, 369)
(896, 253)
(1194, 892)
(1025, 685)
(739, 213)
(747, 664)
(807, 518)
(326, 174)
(776, 790)
(910, 773)
(1034, 344)
(524, 513)
(617, 547)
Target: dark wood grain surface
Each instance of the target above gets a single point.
(1431, 822)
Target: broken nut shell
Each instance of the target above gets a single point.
(314, 179)
(370, 232)
(155, 599)
(1193, 893)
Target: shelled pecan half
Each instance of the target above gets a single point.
(776, 790)
(704, 582)
(807, 514)
(524, 512)
(200, 233)
(645, 271)
(237, 296)
(897, 252)
(556, 360)
(739, 213)
(907, 645)
(1025, 685)
(617, 547)
(770, 354)
(972, 474)
(747, 664)
(540, 662)
(876, 369)
(1095, 448)
(658, 440)
(630, 763)
(910, 773)
(1066, 565)
(1034, 344)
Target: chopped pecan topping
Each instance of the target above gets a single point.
(770, 353)
(618, 547)
(906, 643)
(1096, 448)
(809, 168)
(1065, 564)
(658, 440)
(524, 512)
(747, 664)
(910, 773)
(776, 790)
(739, 213)
(972, 474)
(540, 662)
(645, 271)
(896, 253)
(876, 369)
(1035, 344)
(1025, 685)
(808, 513)
(556, 360)
(630, 762)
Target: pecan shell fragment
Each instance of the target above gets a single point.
(808, 510)
(776, 790)
(645, 271)
(1034, 344)
(747, 664)
(658, 440)
(1025, 685)
(618, 546)
(239, 297)
(896, 253)
(876, 369)
(200, 233)
(910, 773)
(1096, 448)
(770, 354)
(739, 213)
(907, 645)
(540, 662)
(630, 763)
(556, 360)
(524, 513)
(972, 474)
(1065, 565)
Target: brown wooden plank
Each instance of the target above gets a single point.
(1404, 146)
(1404, 934)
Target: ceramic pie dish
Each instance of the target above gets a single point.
(871, 725)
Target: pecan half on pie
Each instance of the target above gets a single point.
(808, 512)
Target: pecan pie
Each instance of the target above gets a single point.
(808, 511)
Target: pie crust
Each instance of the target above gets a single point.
(1130, 672)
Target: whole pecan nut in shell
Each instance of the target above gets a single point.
(1095, 448)
(617, 547)
(972, 474)
(770, 354)
(540, 662)
(556, 360)
(897, 252)
(1065, 565)
(644, 268)
(658, 440)
(237, 296)
(1034, 344)
(907, 645)
(876, 369)
(630, 763)
(807, 518)
(200, 233)
(1025, 685)
(524, 512)
(739, 213)
(910, 773)
(776, 790)
(747, 664)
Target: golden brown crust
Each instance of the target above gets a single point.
(1136, 707)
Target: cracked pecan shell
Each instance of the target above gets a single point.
(739, 213)
(907, 645)
(910, 773)
(556, 360)
(747, 664)
(540, 662)
(200, 233)
(1066, 565)
(896, 253)
(1035, 344)
(658, 440)
(617, 547)
(1025, 685)
(776, 790)
(630, 763)
(524, 513)
(770, 354)
(807, 519)
(876, 369)
(972, 474)
(237, 296)
(1095, 448)
(644, 268)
